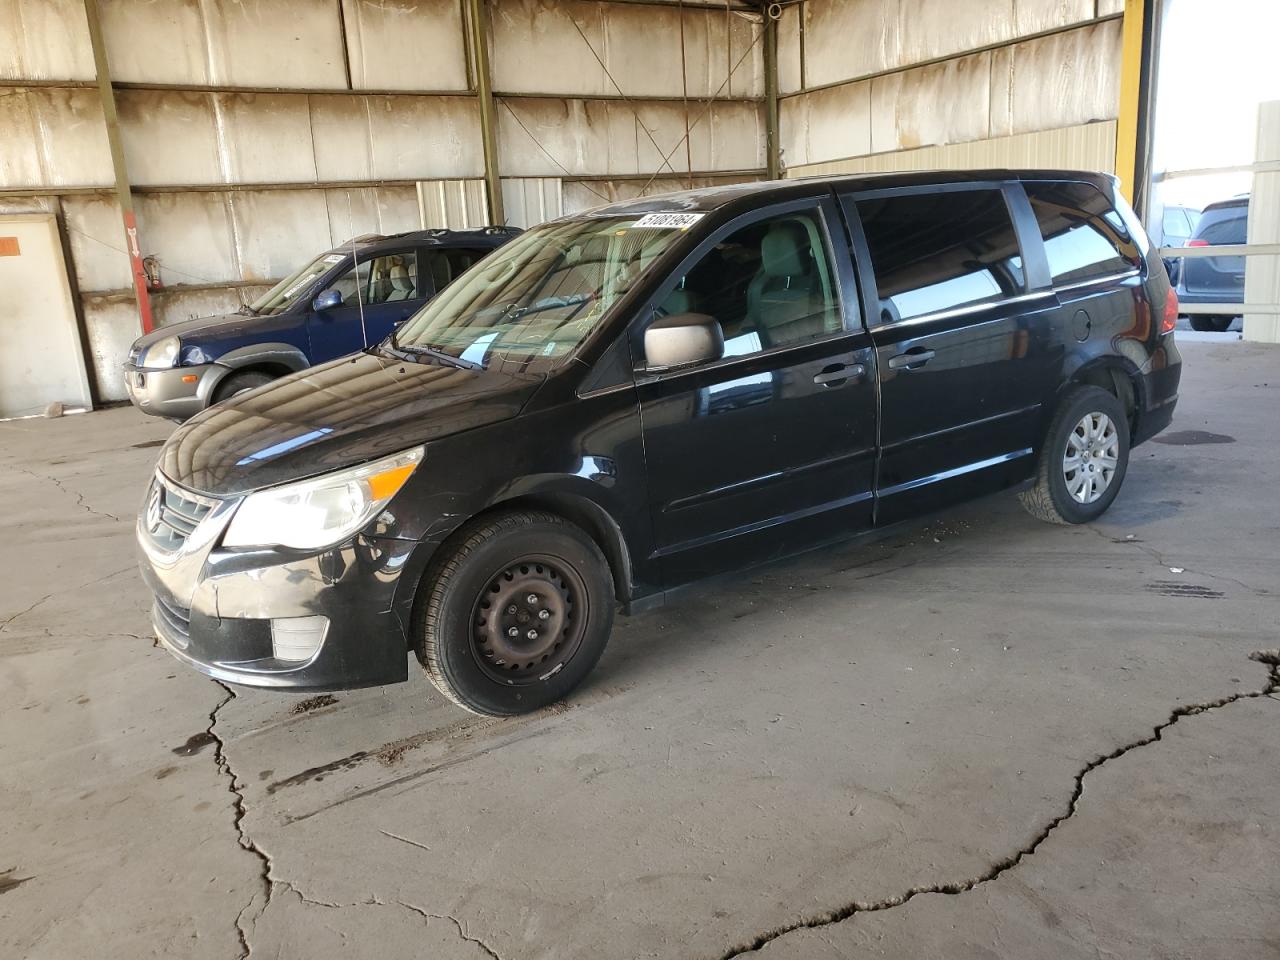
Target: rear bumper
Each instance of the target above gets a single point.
(1160, 384)
(1232, 295)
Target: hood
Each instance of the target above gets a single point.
(335, 415)
(214, 332)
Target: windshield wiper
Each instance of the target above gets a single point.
(434, 354)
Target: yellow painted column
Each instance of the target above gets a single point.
(1135, 12)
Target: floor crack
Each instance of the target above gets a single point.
(65, 489)
(235, 787)
(1270, 658)
(462, 930)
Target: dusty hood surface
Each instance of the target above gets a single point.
(335, 415)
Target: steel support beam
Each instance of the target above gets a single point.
(478, 37)
(772, 148)
(124, 194)
(1139, 49)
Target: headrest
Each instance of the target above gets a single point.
(400, 279)
(784, 252)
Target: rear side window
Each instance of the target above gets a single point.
(1084, 236)
(938, 251)
(449, 263)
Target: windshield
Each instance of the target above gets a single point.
(285, 293)
(540, 295)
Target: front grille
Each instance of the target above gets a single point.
(172, 514)
(172, 622)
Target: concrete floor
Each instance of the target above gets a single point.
(982, 736)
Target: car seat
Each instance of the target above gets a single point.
(784, 298)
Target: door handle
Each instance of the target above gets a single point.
(838, 373)
(915, 357)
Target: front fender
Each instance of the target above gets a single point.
(250, 355)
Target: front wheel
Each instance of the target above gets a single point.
(1084, 459)
(515, 615)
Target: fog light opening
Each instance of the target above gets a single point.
(297, 639)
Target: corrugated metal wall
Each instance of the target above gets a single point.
(905, 81)
(258, 132)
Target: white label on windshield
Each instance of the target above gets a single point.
(335, 258)
(670, 221)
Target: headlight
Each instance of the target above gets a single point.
(162, 353)
(318, 513)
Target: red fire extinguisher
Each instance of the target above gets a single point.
(151, 265)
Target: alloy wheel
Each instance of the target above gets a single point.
(1090, 459)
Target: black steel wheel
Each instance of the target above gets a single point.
(514, 612)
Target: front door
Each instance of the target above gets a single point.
(963, 338)
(772, 447)
(377, 294)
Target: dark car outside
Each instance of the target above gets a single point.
(624, 401)
(1216, 279)
(344, 300)
(1177, 226)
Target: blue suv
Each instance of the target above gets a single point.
(342, 301)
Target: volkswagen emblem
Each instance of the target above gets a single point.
(153, 509)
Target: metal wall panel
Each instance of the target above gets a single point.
(52, 136)
(453, 204)
(277, 231)
(234, 43)
(826, 124)
(97, 242)
(582, 195)
(536, 49)
(112, 325)
(190, 233)
(1056, 81)
(396, 138)
(1262, 273)
(587, 137)
(789, 49)
(847, 40)
(405, 44)
(44, 40)
(946, 102)
(1090, 146)
(532, 200)
(170, 137)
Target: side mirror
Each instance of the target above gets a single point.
(327, 299)
(681, 339)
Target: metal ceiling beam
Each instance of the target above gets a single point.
(123, 192)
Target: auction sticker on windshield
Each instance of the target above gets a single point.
(669, 221)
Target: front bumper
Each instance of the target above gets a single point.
(177, 392)
(213, 607)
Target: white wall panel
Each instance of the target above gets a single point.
(96, 233)
(583, 195)
(789, 50)
(1262, 273)
(942, 103)
(278, 231)
(191, 235)
(453, 204)
(1056, 81)
(44, 40)
(531, 200)
(826, 124)
(264, 138)
(1090, 146)
(236, 43)
(52, 136)
(406, 44)
(536, 49)
(845, 40)
(169, 137)
(1106, 7)
(603, 137)
(112, 325)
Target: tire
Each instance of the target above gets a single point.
(1207, 323)
(1050, 498)
(240, 383)
(479, 590)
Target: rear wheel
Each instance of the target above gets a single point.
(1084, 459)
(239, 383)
(515, 615)
(1206, 323)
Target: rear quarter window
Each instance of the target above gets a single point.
(1084, 236)
(1228, 225)
(938, 251)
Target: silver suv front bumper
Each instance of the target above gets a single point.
(177, 392)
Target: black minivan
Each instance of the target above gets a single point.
(623, 401)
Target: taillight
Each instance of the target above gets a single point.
(1169, 319)
(1197, 242)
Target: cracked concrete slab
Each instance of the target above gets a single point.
(840, 729)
